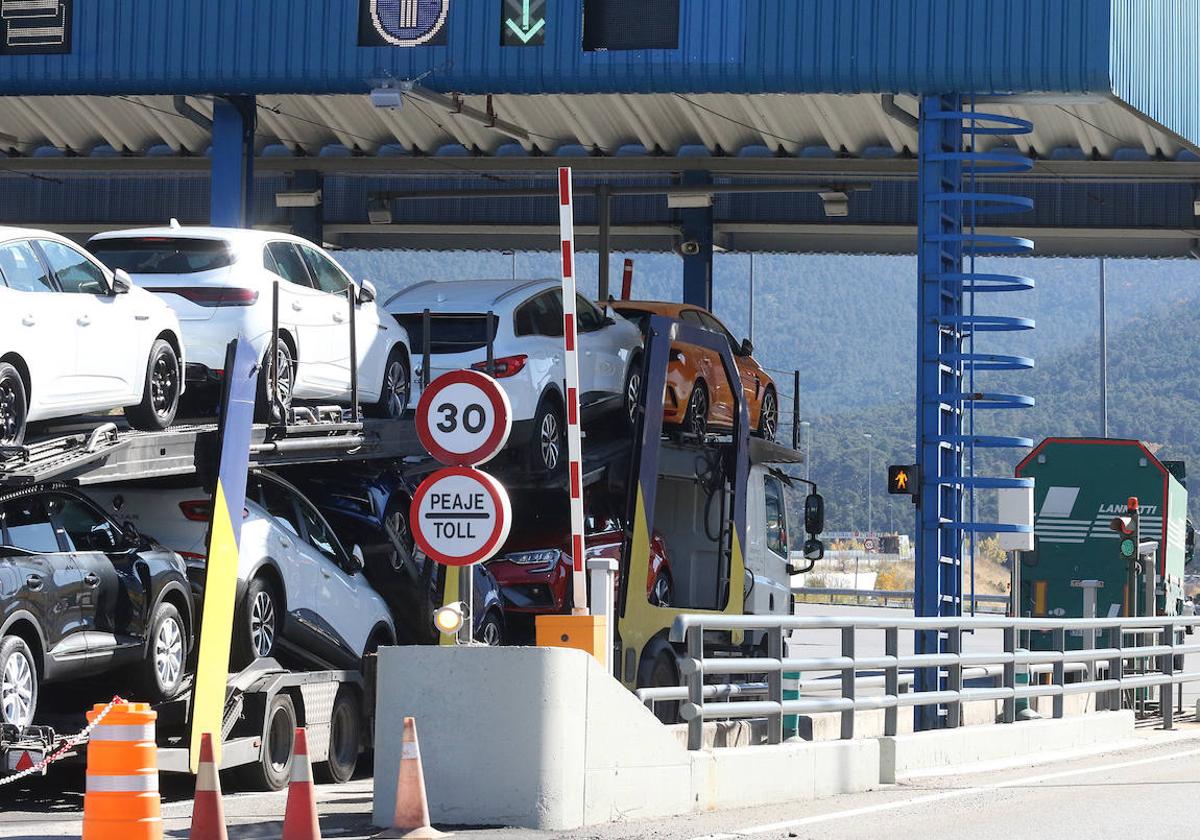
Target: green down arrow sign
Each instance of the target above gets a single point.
(524, 27)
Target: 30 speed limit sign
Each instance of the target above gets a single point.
(464, 418)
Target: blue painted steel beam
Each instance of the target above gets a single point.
(697, 225)
(232, 186)
(939, 377)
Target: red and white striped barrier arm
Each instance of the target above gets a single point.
(566, 214)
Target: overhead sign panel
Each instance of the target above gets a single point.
(402, 23)
(35, 27)
(522, 23)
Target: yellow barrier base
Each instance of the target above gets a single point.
(581, 632)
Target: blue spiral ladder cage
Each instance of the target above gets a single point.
(948, 361)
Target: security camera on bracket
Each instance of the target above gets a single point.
(688, 248)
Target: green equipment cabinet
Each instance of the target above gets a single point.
(1080, 485)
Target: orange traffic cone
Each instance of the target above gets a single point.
(208, 815)
(411, 820)
(300, 819)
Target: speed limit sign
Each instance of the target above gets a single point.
(464, 418)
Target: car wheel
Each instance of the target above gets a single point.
(768, 415)
(662, 592)
(14, 406)
(18, 682)
(549, 439)
(345, 738)
(166, 654)
(491, 631)
(258, 625)
(161, 392)
(695, 419)
(273, 770)
(394, 393)
(633, 392)
(270, 399)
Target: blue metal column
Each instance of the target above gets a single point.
(697, 224)
(308, 222)
(939, 420)
(234, 119)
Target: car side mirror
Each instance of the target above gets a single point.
(747, 348)
(814, 514)
(609, 321)
(366, 292)
(122, 282)
(357, 560)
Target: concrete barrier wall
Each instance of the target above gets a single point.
(544, 738)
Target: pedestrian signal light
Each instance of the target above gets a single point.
(902, 479)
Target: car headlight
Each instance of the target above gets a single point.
(543, 557)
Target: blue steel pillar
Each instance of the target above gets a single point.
(939, 380)
(232, 185)
(308, 222)
(697, 224)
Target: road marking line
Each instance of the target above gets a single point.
(957, 793)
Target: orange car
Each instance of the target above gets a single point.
(698, 392)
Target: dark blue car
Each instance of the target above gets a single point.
(367, 505)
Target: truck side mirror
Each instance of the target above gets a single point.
(814, 549)
(814, 514)
(1189, 544)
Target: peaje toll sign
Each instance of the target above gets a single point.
(460, 516)
(463, 418)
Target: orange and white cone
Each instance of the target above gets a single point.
(300, 819)
(411, 819)
(208, 815)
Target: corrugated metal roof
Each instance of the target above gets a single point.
(817, 125)
(825, 46)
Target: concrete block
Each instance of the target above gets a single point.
(903, 754)
(741, 777)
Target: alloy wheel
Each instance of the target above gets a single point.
(489, 634)
(699, 412)
(164, 384)
(168, 653)
(550, 445)
(16, 691)
(662, 591)
(632, 393)
(262, 624)
(284, 375)
(395, 386)
(768, 421)
(11, 412)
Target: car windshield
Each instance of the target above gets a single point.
(449, 333)
(638, 317)
(162, 254)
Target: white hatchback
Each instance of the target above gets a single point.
(220, 281)
(527, 341)
(76, 337)
(299, 591)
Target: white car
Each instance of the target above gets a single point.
(299, 591)
(527, 327)
(76, 337)
(220, 282)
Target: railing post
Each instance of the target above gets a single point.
(1059, 635)
(848, 683)
(775, 685)
(891, 679)
(1116, 667)
(1009, 711)
(1166, 691)
(954, 679)
(695, 685)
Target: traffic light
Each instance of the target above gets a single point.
(902, 479)
(1127, 528)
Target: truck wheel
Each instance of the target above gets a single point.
(345, 738)
(659, 672)
(18, 682)
(273, 770)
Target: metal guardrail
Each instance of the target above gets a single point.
(1156, 644)
(884, 595)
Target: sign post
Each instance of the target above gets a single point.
(461, 516)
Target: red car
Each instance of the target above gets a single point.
(534, 572)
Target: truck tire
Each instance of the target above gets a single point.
(345, 738)
(273, 770)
